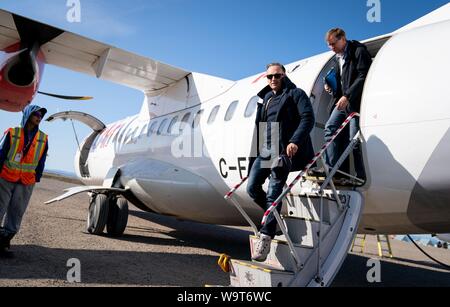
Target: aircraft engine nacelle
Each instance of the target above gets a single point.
(20, 75)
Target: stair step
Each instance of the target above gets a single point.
(302, 231)
(320, 265)
(280, 256)
(308, 206)
(250, 274)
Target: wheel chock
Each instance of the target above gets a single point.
(224, 262)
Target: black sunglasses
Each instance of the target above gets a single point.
(277, 76)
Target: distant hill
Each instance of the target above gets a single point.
(426, 240)
(62, 176)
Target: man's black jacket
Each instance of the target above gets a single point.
(354, 73)
(296, 118)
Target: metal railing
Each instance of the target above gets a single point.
(286, 191)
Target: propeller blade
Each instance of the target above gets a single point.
(67, 97)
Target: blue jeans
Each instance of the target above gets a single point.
(257, 178)
(336, 149)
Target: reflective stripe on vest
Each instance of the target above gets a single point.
(25, 170)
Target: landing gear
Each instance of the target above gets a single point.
(117, 217)
(107, 211)
(98, 214)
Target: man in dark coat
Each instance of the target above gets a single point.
(351, 64)
(284, 120)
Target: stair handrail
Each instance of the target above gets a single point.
(308, 167)
(229, 197)
(271, 210)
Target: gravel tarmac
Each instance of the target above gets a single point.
(160, 251)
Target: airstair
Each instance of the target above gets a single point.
(317, 231)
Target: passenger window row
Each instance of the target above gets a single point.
(175, 127)
(249, 111)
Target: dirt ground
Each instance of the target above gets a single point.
(162, 251)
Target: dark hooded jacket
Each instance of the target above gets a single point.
(296, 118)
(354, 73)
(5, 141)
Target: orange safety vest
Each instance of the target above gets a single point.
(23, 168)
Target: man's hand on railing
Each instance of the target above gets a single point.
(291, 150)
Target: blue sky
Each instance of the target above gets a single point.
(228, 38)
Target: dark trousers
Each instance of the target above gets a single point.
(259, 173)
(336, 149)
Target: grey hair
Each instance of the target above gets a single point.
(276, 64)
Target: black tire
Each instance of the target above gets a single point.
(98, 214)
(118, 217)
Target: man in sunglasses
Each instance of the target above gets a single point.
(351, 62)
(284, 121)
(23, 151)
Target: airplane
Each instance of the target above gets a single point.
(190, 143)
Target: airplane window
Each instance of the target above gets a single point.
(213, 115)
(123, 133)
(231, 110)
(197, 118)
(172, 123)
(184, 121)
(152, 128)
(162, 126)
(130, 136)
(99, 139)
(117, 133)
(251, 107)
(112, 133)
(143, 131)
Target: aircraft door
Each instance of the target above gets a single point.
(83, 152)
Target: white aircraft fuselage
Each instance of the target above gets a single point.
(180, 164)
(192, 140)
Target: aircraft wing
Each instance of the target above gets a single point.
(81, 189)
(81, 54)
(8, 32)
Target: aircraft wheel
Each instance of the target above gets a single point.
(98, 214)
(117, 217)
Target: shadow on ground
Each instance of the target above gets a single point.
(354, 274)
(113, 267)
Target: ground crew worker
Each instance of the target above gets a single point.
(23, 151)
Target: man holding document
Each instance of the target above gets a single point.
(345, 83)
